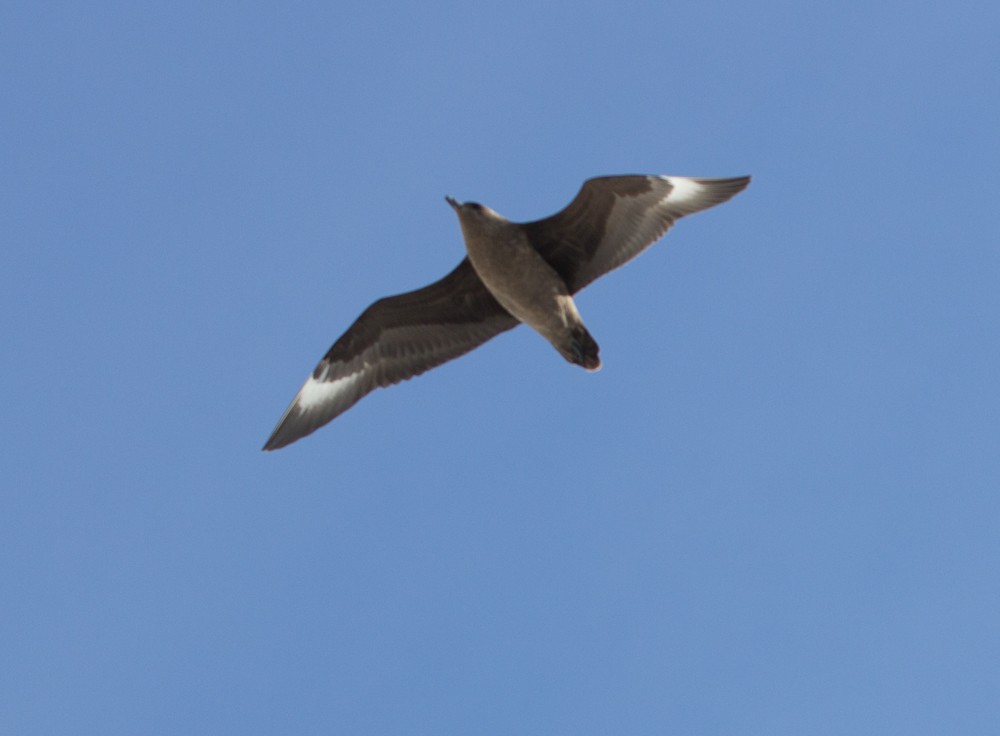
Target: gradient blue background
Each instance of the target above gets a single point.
(775, 510)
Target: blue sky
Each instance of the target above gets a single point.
(775, 509)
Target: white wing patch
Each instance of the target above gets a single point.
(314, 392)
(682, 190)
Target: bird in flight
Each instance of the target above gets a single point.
(513, 272)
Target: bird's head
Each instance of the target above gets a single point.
(469, 212)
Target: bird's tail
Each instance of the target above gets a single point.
(583, 349)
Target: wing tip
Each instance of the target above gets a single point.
(273, 444)
(734, 184)
(285, 433)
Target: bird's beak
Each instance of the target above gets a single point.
(454, 204)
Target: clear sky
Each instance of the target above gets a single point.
(776, 510)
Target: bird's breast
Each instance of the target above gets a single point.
(517, 276)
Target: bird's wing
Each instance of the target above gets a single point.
(614, 218)
(396, 338)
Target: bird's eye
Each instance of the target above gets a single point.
(476, 206)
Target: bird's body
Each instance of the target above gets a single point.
(514, 272)
(524, 283)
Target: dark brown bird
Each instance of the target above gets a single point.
(515, 272)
